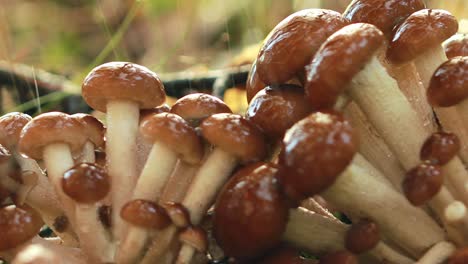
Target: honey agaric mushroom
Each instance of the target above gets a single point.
(54, 137)
(121, 89)
(456, 46)
(40, 196)
(46, 252)
(145, 216)
(87, 184)
(439, 253)
(179, 215)
(251, 201)
(419, 39)
(196, 238)
(422, 183)
(18, 225)
(440, 148)
(323, 145)
(293, 42)
(172, 138)
(95, 131)
(362, 236)
(253, 84)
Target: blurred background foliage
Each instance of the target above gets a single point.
(69, 37)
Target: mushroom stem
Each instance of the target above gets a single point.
(58, 159)
(186, 254)
(450, 119)
(179, 182)
(305, 226)
(121, 133)
(160, 246)
(352, 192)
(131, 248)
(455, 214)
(94, 239)
(87, 154)
(439, 253)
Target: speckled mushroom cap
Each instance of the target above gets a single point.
(236, 135)
(384, 14)
(422, 183)
(314, 152)
(198, 106)
(93, 128)
(251, 201)
(11, 125)
(86, 183)
(122, 81)
(293, 42)
(456, 46)
(253, 84)
(449, 84)
(175, 133)
(421, 31)
(275, 109)
(340, 58)
(49, 128)
(17, 226)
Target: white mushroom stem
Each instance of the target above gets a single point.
(438, 254)
(94, 238)
(87, 154)
(58, 159)
(312, 205)
(179, 182)
(354, 193)
(159, 166)
(161, 245)
(451, 120)
(373, 147)
(121, 133)
(186, 254)
(455, 214)
(304, 227)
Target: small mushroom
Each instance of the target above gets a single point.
(196, 238)
(95, 130)
(422, 183)
(362, 236)
(456, 46)
(18, 225)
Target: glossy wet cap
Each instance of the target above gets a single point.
(49, 128)
(341, 57)
(198, 106)
(251, 212)
(457, 45)
(286, 255)
(145, 214)
(196, 237)
(236, 135)
(94, 129)
(11, 125)
(276, 109)
(362, 236)
(86, 183)
(122, 81)
(17, 226)
(421, 31)
(175, 133)
(384, 14)
(253, 84)
(178, 213)
(314, 153)
(449, 83)
(293, 42)
(459, 257)
(340, 257)
(440, 148)
(422, 182)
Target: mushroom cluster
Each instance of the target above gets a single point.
(353, 149)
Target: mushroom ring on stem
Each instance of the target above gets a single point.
(121, 89)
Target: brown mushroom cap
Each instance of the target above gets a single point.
(340, 58)
(314, 152)
(93, 128)
(293, 42)
(440, 148)
(196, 237)
(49, 128)
(122, 81)
(456, 46)
(275, 109)
(198, 106)
(11, 125)
(236, 135)
(362, 236)
(86, 183)
(253, 84)
(17, 226)
(250, 212)
(178, 213)
(421, 31)
(384, 14)
(422, 183)
(340, 257)
(459, 257)
(449, 83)
(175, 133)
(164, 108)
(145, 214)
